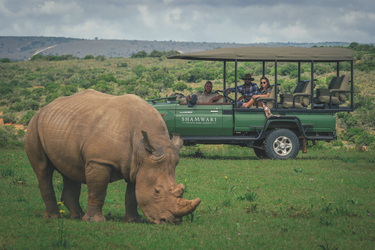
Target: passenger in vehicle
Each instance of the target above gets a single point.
(206, 96)
(247, 90)
(265, 91)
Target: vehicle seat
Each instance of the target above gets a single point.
(336, 92)
(269, 100)
(301, 97)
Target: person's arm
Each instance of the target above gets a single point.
(216, 98)
(231, 89)
(254, 90)
(260, 96)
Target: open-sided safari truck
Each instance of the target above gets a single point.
(307, 114)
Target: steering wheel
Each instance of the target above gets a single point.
(225, 94)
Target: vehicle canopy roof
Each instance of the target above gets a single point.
(286, 54)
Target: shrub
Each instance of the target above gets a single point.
(139, 70)
(89, 57)
(104, 88)
(156, 53)
(27, 118)
(108, 78)
(9, 137)
(100, 58)
(5, 60)
(140, 54)
(30, 104)
(141, 90)
(289, 69)
(5, 90)
(9, 117)
(122, 65)
(358, 136)
(180, 86)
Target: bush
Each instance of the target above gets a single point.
(122, 65)
(69, 90)
(108, 78)
(5, 60)
(180, 86)
(139, 70)
(89, 57)
(140, 54)
(141, 90)
(9, 117)
(104, 88)
(27, 118)
(156, 53)
(9, 137)
(100, 58)
(358, 136)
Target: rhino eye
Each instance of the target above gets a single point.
(157, 190)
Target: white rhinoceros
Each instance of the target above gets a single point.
(95, 138)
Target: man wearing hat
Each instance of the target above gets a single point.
(248, 89)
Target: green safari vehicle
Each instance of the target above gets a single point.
(307, 114)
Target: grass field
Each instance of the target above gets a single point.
(324, 199)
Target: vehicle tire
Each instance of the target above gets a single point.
(260, 153)
(281, 144)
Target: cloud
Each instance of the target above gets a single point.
(240, 21)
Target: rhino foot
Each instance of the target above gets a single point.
(52, 216)
(95, 218)
(134, 219)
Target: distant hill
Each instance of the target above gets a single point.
(22, 48)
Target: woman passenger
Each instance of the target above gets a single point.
(265, 91)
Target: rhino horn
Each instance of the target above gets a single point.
(185, 207)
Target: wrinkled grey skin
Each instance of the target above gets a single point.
(95, 138)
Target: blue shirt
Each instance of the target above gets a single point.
(252, 90)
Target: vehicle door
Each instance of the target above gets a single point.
(204, 119)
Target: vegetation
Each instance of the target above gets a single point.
(323, 199)
(25, 87)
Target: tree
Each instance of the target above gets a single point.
(5, 60)
(140, 54)
(156, 53)
(89, 57)
(139, 70)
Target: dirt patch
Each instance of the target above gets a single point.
(16, 126)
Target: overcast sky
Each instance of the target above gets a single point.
(238, 21)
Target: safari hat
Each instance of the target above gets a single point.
(248, 76)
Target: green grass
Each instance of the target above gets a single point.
(322, 199)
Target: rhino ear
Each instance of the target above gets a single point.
(149, 147)
(177, 141)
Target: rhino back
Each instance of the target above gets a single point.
(92, 126)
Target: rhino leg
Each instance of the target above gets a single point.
(70, 197)
(131, 212)
(48, 194)
(43, 169)
(97, 179)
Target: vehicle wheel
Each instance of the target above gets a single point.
(260, 153)
(281, 144)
